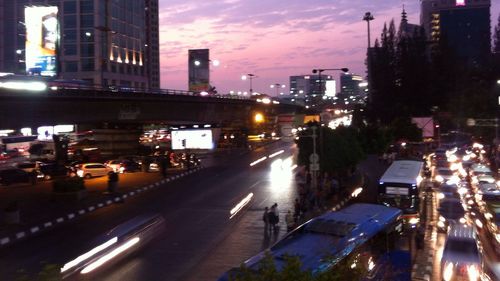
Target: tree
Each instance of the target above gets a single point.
(339, 150)
(267, 271)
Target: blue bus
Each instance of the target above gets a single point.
(364, 235)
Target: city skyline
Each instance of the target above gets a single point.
(273, 40)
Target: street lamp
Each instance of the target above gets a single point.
(320, 70)
(277, 86)
(368, 17)
(250, 77)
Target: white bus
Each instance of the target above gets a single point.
(399, 187)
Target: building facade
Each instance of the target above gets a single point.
(463, 24)
(103, 42)
(353, 89)
(311, 89)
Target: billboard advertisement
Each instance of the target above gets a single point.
(192, 139)
(199, 70)
(42, 35)
(331, 88)
(426, 124)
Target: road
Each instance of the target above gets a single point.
(196, 209)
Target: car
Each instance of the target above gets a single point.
(447, 191)
(451, 211)
(51, 170)
(122, 166)
(442, 175)
(15, 175)
(461, 255)
(485, 179)
(28, 167)
(90, 170)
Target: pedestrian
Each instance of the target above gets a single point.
(290, 222)
(265, 218)
(274, 218)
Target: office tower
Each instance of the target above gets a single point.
(102, 42)
(311, 90)
(464, 25)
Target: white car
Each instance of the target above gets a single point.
(90, 170)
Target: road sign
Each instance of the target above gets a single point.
(314, 158)
(314, 167)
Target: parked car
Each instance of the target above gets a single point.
(15, 175)
(28, 167)
(50, 170)
(90, 170)
(461, 258)
(122, 166)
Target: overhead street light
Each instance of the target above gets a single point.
(278, 86)
(249, 76)
(368, 17)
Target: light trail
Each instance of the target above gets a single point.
(240, 205)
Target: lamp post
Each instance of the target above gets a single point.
(277, 86)
(320, 70)
(249, 76)
(368, 17)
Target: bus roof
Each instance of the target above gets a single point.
(403, 171)
(325, 240)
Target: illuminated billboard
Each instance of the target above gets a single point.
(42, 35)
(192, 139)
(199, 70)
(331, 88)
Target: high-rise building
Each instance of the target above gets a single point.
(311, 89)
(463, 24)
(103, 42)
(352, 88)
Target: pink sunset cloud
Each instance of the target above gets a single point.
(272, 39)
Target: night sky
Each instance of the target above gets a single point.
(272, 39)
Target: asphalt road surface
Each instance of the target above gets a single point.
(202, 238)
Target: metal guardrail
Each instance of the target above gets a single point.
(77, 87)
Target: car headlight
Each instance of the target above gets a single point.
(414, 220)
(441, 218)
(462, 220)
(440, 224)
(439, 178)
(448, 271)
(440, 195)
(122, 169)
(80, 173)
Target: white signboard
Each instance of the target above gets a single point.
(396, 190)
(192, 139)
